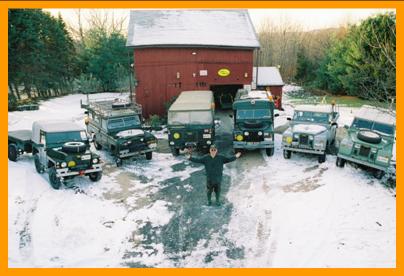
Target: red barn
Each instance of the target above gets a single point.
(177, 50)
(269, 78)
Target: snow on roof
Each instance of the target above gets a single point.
(375, 114)
(220, 28)
(324, 108)
(267, 76)
(56, 126)
(308, 128)
(193, 100)
(256, 94)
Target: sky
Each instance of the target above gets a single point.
(307, 19)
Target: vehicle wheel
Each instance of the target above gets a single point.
(95, 176)
(287, 154)
(53, 179)
(74, 147)
(269, 151)
(149, 155)
(118, 162)
(38, 165)
(321, 158)
(12, 152)
(340, 162)
(175, 151)
(378, 174)
(369, 136)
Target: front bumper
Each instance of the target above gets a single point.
(253, 145)
(66, 172)
(303, 150)
(364, 163)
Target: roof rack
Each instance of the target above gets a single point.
(109, 107)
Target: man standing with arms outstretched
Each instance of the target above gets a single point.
(214, 170)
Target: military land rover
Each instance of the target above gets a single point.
(116, 126)
(369, 140)
(312, 130)
(190, 121)
(253, 121)
(59, 147)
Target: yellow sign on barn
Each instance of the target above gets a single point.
(224, 72)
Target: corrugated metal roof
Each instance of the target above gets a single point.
(375, 114)
(193, 100)
(215, 28)
(267, 76)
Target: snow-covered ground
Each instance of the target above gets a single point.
(276, 212)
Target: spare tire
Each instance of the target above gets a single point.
(74, 147)
(369, 136)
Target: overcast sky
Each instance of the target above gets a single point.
(307, 19)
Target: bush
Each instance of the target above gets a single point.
(12, 102)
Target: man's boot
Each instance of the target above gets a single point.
(217, 194)
(209, 198)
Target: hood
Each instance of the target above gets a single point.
(308, 128)
(129, 133)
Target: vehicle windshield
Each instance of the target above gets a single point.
(247, 114)
(63, 137)
(190, 117)
(124, 122)
(315, 117)
(383, 128)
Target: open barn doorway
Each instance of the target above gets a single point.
(224, 95)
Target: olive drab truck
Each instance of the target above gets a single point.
(116, 126)
(253, 121)
(60, 148)
(312, 130)
(190, 121)
(370, 140)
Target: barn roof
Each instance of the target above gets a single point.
(268, 76)
(192, 28)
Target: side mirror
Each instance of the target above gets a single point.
(276, 115)
(86, 112)
(288, 118)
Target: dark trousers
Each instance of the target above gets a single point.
(212, 186)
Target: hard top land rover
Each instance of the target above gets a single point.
(312, 130)
(116, 125)
(62, 148)
(370, 140)
(253, 121)
(191, 121)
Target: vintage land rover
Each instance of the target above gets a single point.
(116, 125)
(59, 147)
(253, 121)
(370, 140)
(190, 121)
(312, 130)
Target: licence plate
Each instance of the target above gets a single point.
(206, 136)
(86, 157)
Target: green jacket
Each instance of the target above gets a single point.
(213, 166)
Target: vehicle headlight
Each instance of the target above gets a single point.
(95, 160)
(287, 139)
(239, 137)
(70, 164)
(296, 136)
(176, 135)
(260, 133)
(63, 164)
(171, 143)
(311, 137)
(246, 133)
(208, 142)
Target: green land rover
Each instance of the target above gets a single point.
(253, 121)
(369, 140)
(190, 121)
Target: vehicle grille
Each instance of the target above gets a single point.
(254, 137)
(304, 139)
(364, 151)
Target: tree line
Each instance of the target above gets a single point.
(357, 60)
(47, 58)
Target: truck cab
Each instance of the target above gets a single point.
(369, 140)
(253, 121)
(312, 130)
(62, 148)
(190, 121)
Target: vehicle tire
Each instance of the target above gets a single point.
(95, 176)
(269, 151)
(38, 165)
(149, 155)
(12, 152)
(340, 162)
(321, 158)
(369, 136)
(53, 179)
(287, 154)
(118, 162)
(74, 147)
(378, 174)
(175, 151)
